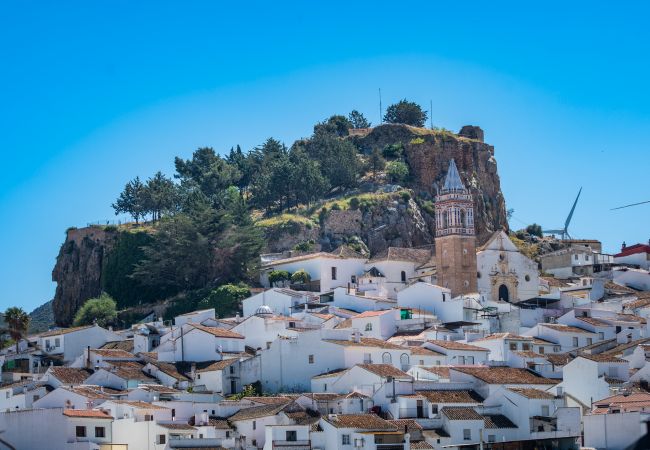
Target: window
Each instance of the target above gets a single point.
(268, 345)
(311, 359)
(461, 360)
(47, 343)
(575, 341)
(325, 387)
(100, 432)
(368, 327)
(232, 369)
(469, 360)
(541, 350)
(545, 411)
(590, 341)
(345, 439)
(527, 278)
(492, 438)
(556, 348)
(525, 346)
(353, 279)
(575, 257)
(367, 358)
(35, 397)
(434, 410)
(148, 417)
(80, 431)
(403, 276)
(254, 425)
(57, 342)
(386, 358)
(333, 273)
(513, 346)
(292, 324)
(467, 434)
(162, 439)
(198, 376)
(254, 442)
(601, 335)
(7, 394)
(292, 435)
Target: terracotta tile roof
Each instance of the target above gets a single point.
(441, 371)
(410, 424)
(366, 342)
(366, 314)
(322, 396)
(70, 375)
(498, 421)
(94, 392)
(368, 422)
(169, 369)
(451, 396)
(421, 351)
(61, 331)
(421, 445)
(347, 323)
(218, 332)
(158, 388)
(87, 413)
(139, 405)
(126, 345)
(639, 303)
(149, 355)
(565, 328)
(602, 357)
(384, 370)
(270, 400)
(559, 359)
(414, 255)
(620, 349)
(112, 353)
(555, 282)
(322, 315)
(256, 412)
(509, 336)
(130, 370)
(533, 393)
(504, 375)
(528, 354)
(594, 321)
(630, 318)
(461, 413)
(177, 426)
(218, 365)
(306, 257)
(455, 345)
(344, 251)
(331, 373)
(636, 401)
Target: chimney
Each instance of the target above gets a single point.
(623, 246)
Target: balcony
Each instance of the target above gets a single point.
(291, 445)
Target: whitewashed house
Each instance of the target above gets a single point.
(617, 422)
(432, 298)
(71, 342)
(282, 301)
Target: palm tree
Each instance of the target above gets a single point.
(17, 322)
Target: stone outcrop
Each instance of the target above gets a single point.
(78, 270)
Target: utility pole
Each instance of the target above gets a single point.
(431, 113)
(381, 112)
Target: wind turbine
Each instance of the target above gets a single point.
(627, 206)
(564, 232)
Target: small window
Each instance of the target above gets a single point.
(353, 279)
(434, 410)
(467, 434)
(492, 438)
(461, 360)
(47, 343)
(254, 425)
(470, 360)
(403, 276)
(100, 432)
(601, 335)
(232, 369)
(513, 346)
(345, 439)
(311, 359)
(575, 341)
(368, 327)
(148, 417)
(80, 431)
(198, 376)
(57, 342)
(575, 257)
(527, 278)
(292, 324)
(325, 387)
(254, 442)
(541, 350)
(590, 341)
(525, 346)
(162, 439)
(545, 411)
(291, 435)
(333, 273)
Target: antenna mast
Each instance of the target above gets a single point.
(381, 113)
(431, 113)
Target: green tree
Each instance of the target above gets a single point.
(534, 229)
(225, 299)
(17, 322)
(397, 170)
(357, 120)
(337, 159)
(161, 196)
(101, 310)
(307, 181)
(337, 125)
(406, 112)
(278, 276)
(376, 162)
(207, 172)
(132, 200)
(300, 277)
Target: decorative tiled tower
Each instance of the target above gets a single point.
(455, 238)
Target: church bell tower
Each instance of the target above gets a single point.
(455, 238)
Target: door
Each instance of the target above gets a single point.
(420, 409)
(504, 294)
(233, 386)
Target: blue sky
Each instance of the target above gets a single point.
(94, 93)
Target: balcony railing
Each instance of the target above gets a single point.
(292, 445)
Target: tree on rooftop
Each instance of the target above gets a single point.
(101, 310)
(408, 113)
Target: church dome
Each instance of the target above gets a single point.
(264, 310)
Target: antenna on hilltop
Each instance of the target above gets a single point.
(431, 113)
(381, 112)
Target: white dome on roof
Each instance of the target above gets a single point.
(264, 310)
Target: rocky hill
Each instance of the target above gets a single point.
(371, 217)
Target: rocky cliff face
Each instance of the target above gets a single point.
(78, 270)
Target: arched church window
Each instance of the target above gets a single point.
(463, 218)
(386, 358)
(404, 360)
(445, 219)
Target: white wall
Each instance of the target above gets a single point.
(613, 431)
(432, 298)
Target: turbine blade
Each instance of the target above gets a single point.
(632, 204)
(573, 208)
